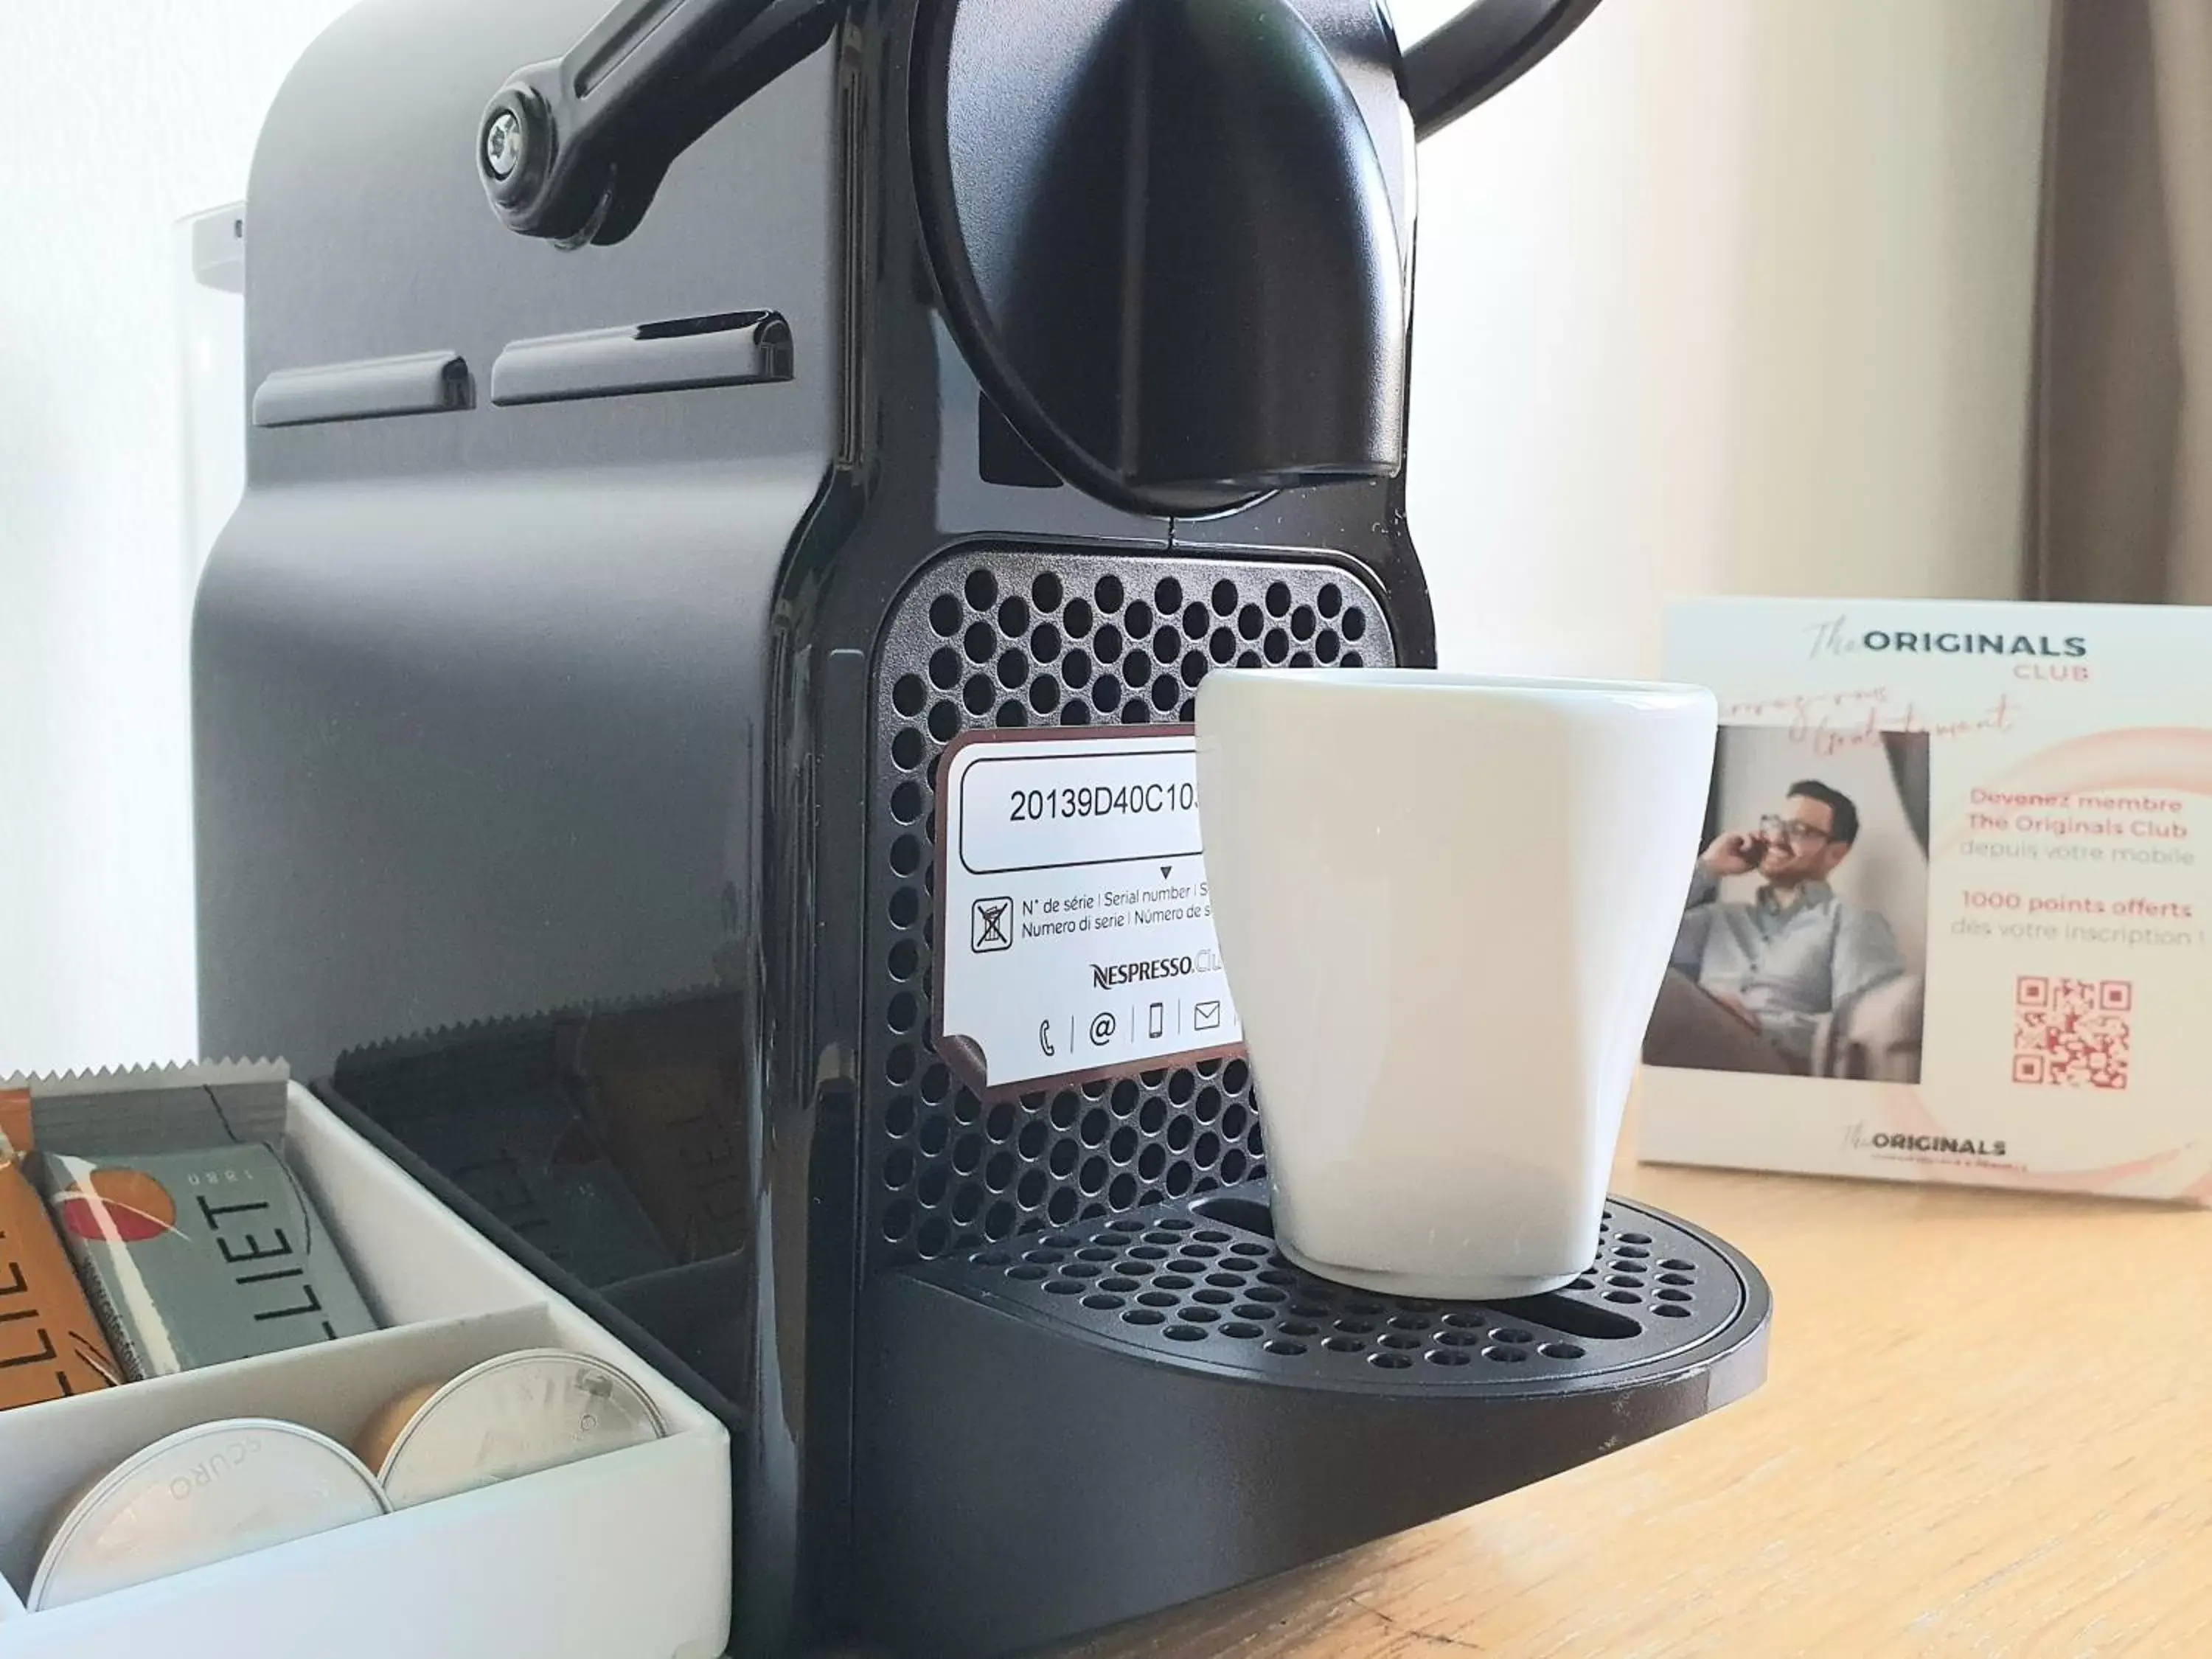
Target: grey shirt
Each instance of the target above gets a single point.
(1787, 965)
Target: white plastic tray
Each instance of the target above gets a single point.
(625, 1554)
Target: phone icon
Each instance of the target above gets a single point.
(1044, 1035)
(1156, 1024)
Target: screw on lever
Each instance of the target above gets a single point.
(505, 143)
(558, 134)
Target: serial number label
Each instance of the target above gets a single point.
(1022, 812)
(1088, 801)
(1075, 932)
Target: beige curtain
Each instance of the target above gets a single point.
(2121, 478)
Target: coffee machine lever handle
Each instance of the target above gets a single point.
(1481, 52)
(572, 150)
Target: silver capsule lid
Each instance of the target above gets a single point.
(201, 1496)
(514, 1415)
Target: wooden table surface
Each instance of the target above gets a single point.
(1986, 1429)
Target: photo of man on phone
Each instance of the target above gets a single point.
(1750, 983)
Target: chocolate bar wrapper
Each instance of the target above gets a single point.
(196, 1258)
(50, 1347)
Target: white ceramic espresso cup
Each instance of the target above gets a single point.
(1444, 905)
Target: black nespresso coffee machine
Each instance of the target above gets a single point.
(651, 472)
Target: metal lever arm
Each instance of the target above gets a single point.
(572, 149)
(1482, 52)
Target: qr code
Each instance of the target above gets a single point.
(2071, 1033)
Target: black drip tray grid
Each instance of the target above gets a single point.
(1168, 1360)
(1200, 1283)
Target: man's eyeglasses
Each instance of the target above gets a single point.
(1797, 835)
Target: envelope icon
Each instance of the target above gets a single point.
(1206, 1016)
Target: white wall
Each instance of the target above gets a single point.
(1727, 295)
(121, 117)
(1735, 297)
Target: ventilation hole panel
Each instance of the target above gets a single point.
(1010, 640)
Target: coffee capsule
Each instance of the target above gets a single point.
(198, 1257)
(50, 1345)
(373, 1444)
(510, 1416)
(201, 1496)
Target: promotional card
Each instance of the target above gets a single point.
(1949, 918)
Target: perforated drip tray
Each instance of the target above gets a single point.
(1200, 1283)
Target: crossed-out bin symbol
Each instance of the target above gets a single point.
(992, 925)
